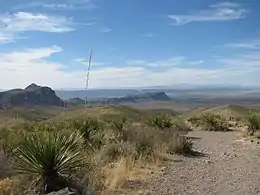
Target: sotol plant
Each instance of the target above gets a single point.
(120, 127)
(161, 121)
(51, 157)
(92, 131)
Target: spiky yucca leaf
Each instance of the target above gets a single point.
(50, 156)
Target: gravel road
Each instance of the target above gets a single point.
(231, 167)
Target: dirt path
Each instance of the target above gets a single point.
(231, 167)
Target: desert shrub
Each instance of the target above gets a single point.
(118, 124)
(120, 128)
(145, 144)
(211, 122)
(161, 121)
(51, 157)
(92, 131)
(195, 121)
(253, 122)
(180, 125)
(214, 122)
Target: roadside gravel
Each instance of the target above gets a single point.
(231, 167)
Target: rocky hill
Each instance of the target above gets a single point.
(33, 95)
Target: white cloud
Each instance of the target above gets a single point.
(105, 30)
(85, 62)
(12, 25)
(218, 12)
(225, 4)
(246, 45)
(149, 35)
(198, 62)
(174, 61)
(6, 37)
(60, 5)
(24, 21)
(137, 62)
(20, 68)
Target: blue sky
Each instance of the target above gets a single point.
(136, 43)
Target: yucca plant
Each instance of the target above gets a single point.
(51, 157)
(161, 121)
(91, 129)
(118, 124)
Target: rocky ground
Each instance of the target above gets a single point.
(231, 165)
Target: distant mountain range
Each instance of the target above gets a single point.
(35, 95)
(95, 94)
(137, 98)
(172, 91)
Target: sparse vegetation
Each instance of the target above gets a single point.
(52, 152)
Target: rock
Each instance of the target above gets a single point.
(223, 154)
(61, 192)
(209, 162)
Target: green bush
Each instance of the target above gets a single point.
(51, 157)
(195, 121)
(161, 121)
(211, 122)
(253, 122)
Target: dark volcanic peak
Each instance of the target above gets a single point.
(158, 96)
(32, 87)
(33, 95)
